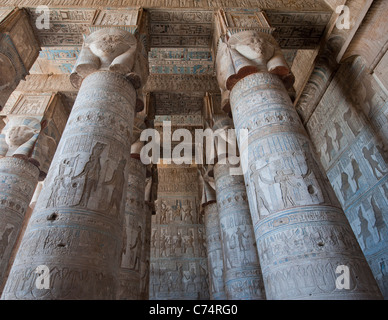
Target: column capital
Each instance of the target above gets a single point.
(247, 52)
(208, 188)
(33, 128)
(111, 49)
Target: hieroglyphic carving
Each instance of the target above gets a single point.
(66, 26)
(173, 28)
(60, 224)
(354, 157)
(181, 61)
(178, 242)
(280, 162)
(214, 253)
(134, 233)
(18, 180)
(177, 103)
(181, 83)
(242, 272)
(311, 5)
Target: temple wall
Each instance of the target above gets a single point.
(349, 129)
(178, 267)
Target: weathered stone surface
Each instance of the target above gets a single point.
(214, 252)
(290, 199)
(18, 180)
(134, 233)
(353, 154)
(242, 273)
(18, 50)
(81, 205)
(178, 241)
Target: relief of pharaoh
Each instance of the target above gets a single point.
(249, 52)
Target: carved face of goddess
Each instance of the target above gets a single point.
(261, 47)
(109, 46)
(18, 135)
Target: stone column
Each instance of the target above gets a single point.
(302, 234)
(146, 251)
(19, 49)
(27, 145)
(18, 180)
(76, 227)
(215, 257)
(243, 279)
(134, 232)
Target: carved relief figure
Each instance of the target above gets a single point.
(65, 171)
(118, 180)
(226, 243)
(352, 124)
(163, 212)
(329, 145)
(364, 233)
(240, 235)
(259, 193)
(285, 182)
(346, 188)
(190, 283)
(90, 173)
(338, 134)
(375, 166)
(5, 240)
(136, 249)
(356, 173)
(379, 224)
(188, 216)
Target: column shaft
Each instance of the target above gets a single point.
(243, 279)
(134, 233)
(18, 179)
(76, 227)
(301, 233)
(214, 252)
(146, 255)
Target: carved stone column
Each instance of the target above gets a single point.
(302, 234)
(146, 250)
(215, 257)
(76, 227)
(243, 279)
(19, 49)
(134, 232)
(27, 145)
(18, 181)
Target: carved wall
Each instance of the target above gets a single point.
(352, 150)
(178, 267)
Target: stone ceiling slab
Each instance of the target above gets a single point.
(180, 28)
(167, 103)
